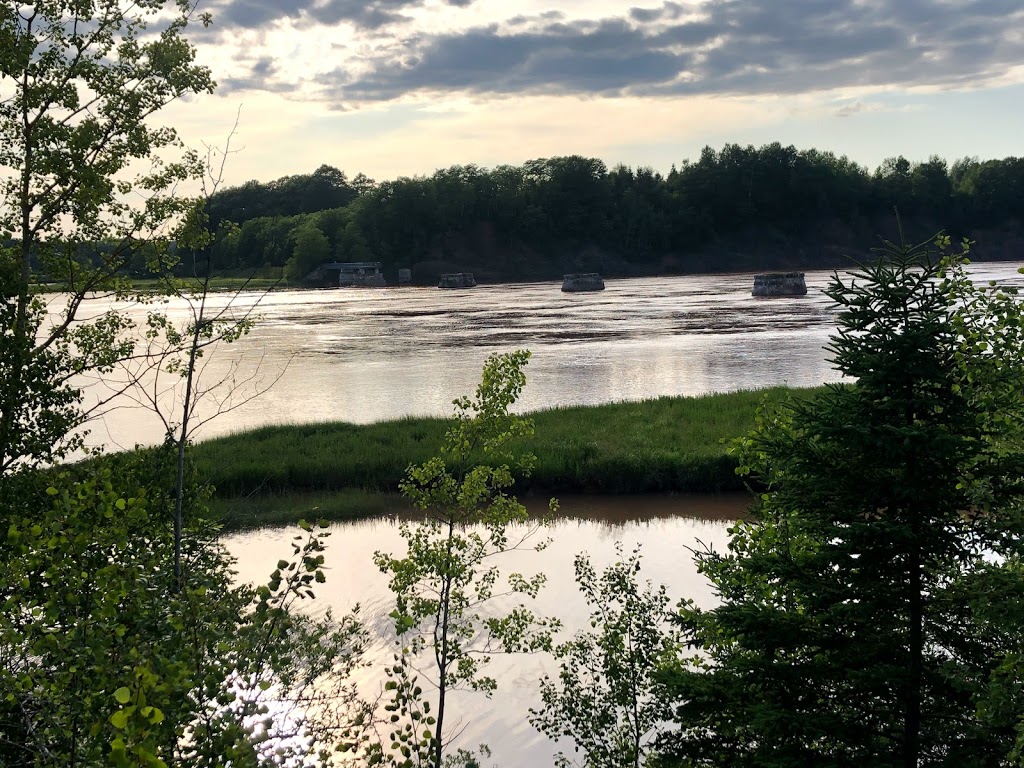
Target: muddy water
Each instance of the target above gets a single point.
(666, 529)
(365, 355)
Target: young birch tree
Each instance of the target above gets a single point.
(448, 595)
(607, 697)
(86, 181)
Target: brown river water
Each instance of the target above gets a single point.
(665, 528)
(365, 355)
(370, 355)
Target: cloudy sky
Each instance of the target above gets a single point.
(401, 87)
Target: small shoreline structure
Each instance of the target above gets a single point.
(360, 274)
(779, 284)
(457, 280)
(582, 281)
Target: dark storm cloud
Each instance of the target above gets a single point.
(262, 76)
(558, 57)
(667, 11)
(723, 46)
(364, 14)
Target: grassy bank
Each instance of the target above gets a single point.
(257, 511)
(672, 444)
(216, 285)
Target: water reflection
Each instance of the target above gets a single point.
(667, 528)
(370, 355)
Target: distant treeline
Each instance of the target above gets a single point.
(735, 209)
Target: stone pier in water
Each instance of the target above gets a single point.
(457, 280)
(583, 281)
(780, 284)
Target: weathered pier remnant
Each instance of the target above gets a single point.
(457, 280)
(583, 281)
(366, 274)
(780, 284)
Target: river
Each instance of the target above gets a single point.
(370, 355)
(665, 528)
(364, 355)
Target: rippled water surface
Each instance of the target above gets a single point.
(370, 355)
(366, 355)
(666, 528)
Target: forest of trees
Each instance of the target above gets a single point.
(740, 208)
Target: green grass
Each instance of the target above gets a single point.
(216, 283)
(672, 444)
(280, 509)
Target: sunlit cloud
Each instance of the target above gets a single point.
(406, 86)
(335, 51)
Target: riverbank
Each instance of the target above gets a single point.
(218, 284)
(336, 470)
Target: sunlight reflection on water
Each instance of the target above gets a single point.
(665, 527)
(364, 355)
(371, 355)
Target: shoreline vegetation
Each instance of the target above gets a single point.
(219, 284)
(336, 470)
(734, 209)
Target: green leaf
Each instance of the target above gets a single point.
(122, 695)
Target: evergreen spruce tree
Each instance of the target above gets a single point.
(870, 607)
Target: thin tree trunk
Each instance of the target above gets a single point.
(442, 658)
(912, 717)
(20, 338)
(183, 436)
(912, 722)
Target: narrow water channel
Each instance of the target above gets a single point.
(666, 528)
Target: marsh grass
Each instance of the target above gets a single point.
(257, 511)
(217, 284)
(671, 444)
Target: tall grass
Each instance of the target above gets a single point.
(218, 283)
(671, 444)
(280, 509)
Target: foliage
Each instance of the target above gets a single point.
(311, 250)
(104, 661)
(325, 188)
(870, 607)
(736, 208)
(123, 639)
(444, 583)
(464, 758)
(81, 82)
(607, 698)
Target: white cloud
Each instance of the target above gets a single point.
(589, 77)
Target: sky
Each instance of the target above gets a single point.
(402, 87)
